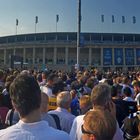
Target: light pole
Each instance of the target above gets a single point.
(78, 32)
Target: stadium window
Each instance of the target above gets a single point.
(50, 37)
(40, 37)
(30, 37)
(11, 39)
(61, 36)
(21, 38)
(72, 37)
(3, 40)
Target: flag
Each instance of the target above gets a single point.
(134, 19)
(113, 19)
(36, 19)
(123, 19)
(102, 18)
(57, 18)
(16, 22)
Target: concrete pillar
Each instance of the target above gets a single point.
(102, 38)
(112, 38)
(124, 56)
(113, 63)
(135, 61)
(101, 57)
(4, 56)
(44, 55)
(66, 55)
(54, 56)
(14, 51)
(134, 39)
(90, 56)
(33, 55)
(24, 55)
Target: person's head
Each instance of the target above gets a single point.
(51, 79)
(25, 94)
(116, 91)
(85, 103)
(127, 92)
(63, 99)
(45, 74)
(44, 103)
(58, 86)
(98, 125)
(136, 86)
(8, 82)
(126, 80)
(100, 95)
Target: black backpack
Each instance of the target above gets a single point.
(130, 127)
(57, 121)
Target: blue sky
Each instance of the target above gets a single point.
(46, 10)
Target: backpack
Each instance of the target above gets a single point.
(130, 127)
(57, 121)
(11, 117)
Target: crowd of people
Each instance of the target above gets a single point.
(80, 105)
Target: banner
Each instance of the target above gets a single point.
(118, 56)
(129, 56)
(107, 56)
(138, 56)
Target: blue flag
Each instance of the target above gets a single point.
(36, 19)
(16, 22)
(57, 18)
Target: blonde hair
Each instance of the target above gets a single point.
(63, 99)
(101, 94)
(85, 103)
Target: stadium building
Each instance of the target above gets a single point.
(58, 50)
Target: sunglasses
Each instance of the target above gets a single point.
(87, 132)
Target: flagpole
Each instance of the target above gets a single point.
(78, 33)
(56, 26)
(16, 29)
(35, 28)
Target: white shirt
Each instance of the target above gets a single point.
(46, 90)
(137, 99)
(66, 118)
(76, 133)
(32, 131)
(128, 99)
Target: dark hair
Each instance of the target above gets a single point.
(25, 94)
(51, 77)
(127, 91)
(114, 91)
